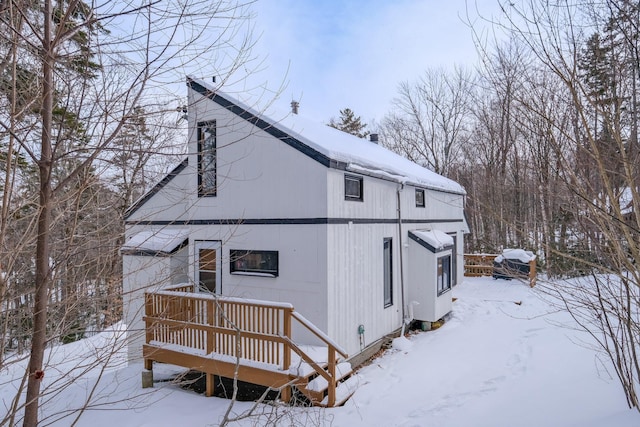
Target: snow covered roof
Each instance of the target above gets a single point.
(434, 240)
(156, 241)
(343, 150)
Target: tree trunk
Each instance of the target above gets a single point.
(39, 340)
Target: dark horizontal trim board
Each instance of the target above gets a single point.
(291, 221)
(427, 245)
(429, 221)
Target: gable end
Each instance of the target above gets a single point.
(159, 186)
(269, 128)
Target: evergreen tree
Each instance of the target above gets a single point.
(350, 123)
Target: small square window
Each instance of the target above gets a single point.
(419, 198)
(353, 187)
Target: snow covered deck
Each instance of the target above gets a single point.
(247, 339)
(478, 265)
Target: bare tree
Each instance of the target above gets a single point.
(593, 142)
(73, 76)
(429, 123)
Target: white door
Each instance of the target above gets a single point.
(208, 265)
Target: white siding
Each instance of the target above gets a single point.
(355, 277)
(331, 273)
(141, 273)
(422, 288)
(302, 274)
(379, 198)
(259, 176)
(168, 204)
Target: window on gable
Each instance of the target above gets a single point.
(419, 198)
(353, 187)
(207, 158)
(254, 263)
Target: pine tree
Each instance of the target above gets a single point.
(350, 123)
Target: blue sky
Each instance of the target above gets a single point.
(354, 53)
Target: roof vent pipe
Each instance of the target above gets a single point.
(295, 105)
(373, 137)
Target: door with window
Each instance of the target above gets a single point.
(208, 264)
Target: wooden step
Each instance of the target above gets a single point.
(315, 387)
(344, 391)
(320, 384)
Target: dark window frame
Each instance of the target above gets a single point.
(237, 267)
(387, 272)
(360, 181)
(454, 260)
(212, 167)
(441, 263)
(420, 204)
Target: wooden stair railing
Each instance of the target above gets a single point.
(332, 350)
(232, 328)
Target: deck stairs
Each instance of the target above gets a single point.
(247, 339)
(315, 388)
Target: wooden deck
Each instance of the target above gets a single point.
(477, 265)
(244, 339)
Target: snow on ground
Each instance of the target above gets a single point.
(505, 357)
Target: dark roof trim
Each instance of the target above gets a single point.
(156, 188)
(430, 221)
(270, 128)
(427, 245)
(290, 221)
(147, 252)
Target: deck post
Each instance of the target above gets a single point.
(285, 394)
(210, 321)
(211, 384)
(286, 356)
(532, 273)
(331, 391)
(147, 375)
(148, 311)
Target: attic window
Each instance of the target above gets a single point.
(353, 187)
(207, 158)
(419, 198)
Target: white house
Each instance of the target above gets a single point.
(355, 237)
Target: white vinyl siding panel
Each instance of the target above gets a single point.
(355, 280)
(258, 176)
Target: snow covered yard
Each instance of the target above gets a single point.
(505, 357)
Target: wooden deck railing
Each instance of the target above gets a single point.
(231, 329)
(476, 265)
